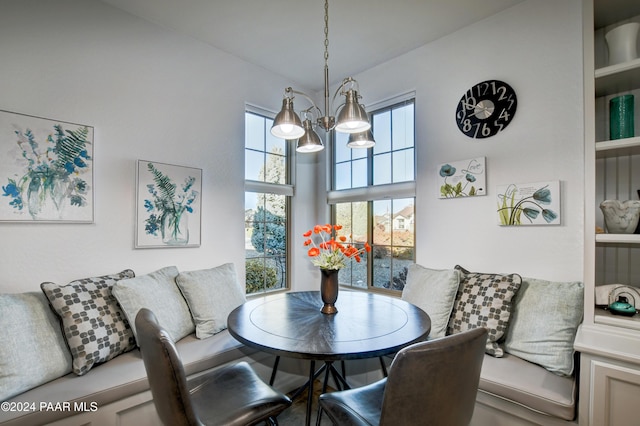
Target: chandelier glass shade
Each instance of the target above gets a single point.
(351, 115)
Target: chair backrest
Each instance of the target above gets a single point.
(435, 382)
(165, 372)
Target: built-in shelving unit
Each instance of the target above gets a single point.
(609, 344)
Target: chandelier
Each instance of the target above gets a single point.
(351, 116)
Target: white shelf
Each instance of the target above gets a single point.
(606, 317)
(614, 148)
(618, 238)
(618, 78)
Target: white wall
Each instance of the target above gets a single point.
(152, 94)
(536, 47)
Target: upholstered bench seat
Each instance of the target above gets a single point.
(121, 377)
(527, 384)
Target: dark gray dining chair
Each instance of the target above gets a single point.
(432, 383)
(231, 395)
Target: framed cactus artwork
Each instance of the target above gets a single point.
(535, 203)
(168, 205)
(46, 170)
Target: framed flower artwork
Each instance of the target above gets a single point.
(465, 178)
(46, 170)
(536, 203)
(168, 205)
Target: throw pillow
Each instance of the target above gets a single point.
(433, 291)
(93, 324)
(211, 295)
(158, 292)
(33, 350)
(484, 300)
(545, 322)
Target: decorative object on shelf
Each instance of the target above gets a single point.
(465, 178)
(622, 43)
(620, 217)
(622, 307)
(47, 168)
(168, 215)
(621, 117)
(351, 116)
(486, 109)
(623, 300)
(330, 254)
(535, 203)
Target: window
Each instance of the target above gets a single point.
(373, 197)
(267, 194)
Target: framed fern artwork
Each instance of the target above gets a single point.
(46, 170)
(168, 205)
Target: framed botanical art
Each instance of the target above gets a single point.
(536, 203)
(465, 178)
(46, 170)
(168, 205)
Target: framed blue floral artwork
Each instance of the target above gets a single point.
(536, 203)
(465, 178)
(168, 205)
(46, 170)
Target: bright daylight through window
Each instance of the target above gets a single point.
(373, 197)
(266, 218)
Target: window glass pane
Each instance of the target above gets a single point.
(254, 132)
(253, 165)
(381, 124)
(359, 217)
(272, 142)
(399, 266)
(343, 176)
(403, 222)
(382, 222)
(353, 218)
(342, 151)
(403, 165)
(382, 169)
(360, 177)
(359, 153)
(275, 170)
(403, 127)
(265, 241)
(381, 266)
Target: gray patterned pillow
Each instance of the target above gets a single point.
(484, 300)
(93, 323)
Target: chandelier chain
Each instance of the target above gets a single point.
(326, 32)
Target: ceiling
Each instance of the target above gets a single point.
(287, 36)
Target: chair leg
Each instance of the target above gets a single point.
(319, 417)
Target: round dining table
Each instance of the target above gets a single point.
(367, 325)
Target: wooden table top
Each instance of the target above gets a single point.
(367, 325)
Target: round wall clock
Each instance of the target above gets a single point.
(486, 109)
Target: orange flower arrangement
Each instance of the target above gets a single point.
(333, 251)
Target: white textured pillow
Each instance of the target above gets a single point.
(33, 350)
(211, 295)
(544, 323)
(433, 291)
(158, 292)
